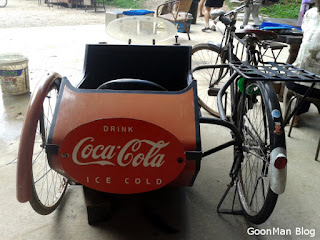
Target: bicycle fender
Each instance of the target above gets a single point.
(278, 177)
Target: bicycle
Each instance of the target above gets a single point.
(252, 106)
(246, 99)
(3, 3)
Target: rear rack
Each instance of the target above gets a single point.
(271, 71)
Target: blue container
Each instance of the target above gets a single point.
(181, 26)
(139, 12)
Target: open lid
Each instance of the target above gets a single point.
(141, 30)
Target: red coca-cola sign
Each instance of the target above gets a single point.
(121, 155)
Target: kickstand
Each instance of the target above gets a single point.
(228, 211)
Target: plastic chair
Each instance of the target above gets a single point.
(176, 11)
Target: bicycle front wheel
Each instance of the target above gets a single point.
(257, 127)
(3, 3)
(48, 186)
(209, 80)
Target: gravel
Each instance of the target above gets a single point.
(29, 13)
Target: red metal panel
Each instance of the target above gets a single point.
(173, 112)
(122, 155)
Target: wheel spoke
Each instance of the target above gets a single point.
(209, 78)
(254, 136)
(44, 175)
(254, 180)
(48, 185)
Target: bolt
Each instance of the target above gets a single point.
(180, 160)
(65, 155)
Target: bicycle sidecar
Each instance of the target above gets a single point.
(131, 126)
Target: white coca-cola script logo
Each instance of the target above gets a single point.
(128, 154)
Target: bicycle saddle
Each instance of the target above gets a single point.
(216, 13)
(257, 34)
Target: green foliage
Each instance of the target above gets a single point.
(230, 4)
(126, 3)
(283, 9)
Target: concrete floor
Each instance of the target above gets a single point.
(190, 213)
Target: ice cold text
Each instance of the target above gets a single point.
(126, 180)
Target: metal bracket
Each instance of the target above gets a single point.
(52, 148)
(194, 155)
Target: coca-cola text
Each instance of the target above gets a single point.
(120, 155)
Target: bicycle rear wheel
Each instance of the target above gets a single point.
(257, 127)
(210, 80)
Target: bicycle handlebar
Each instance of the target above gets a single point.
(238, 9)
(228, 21)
